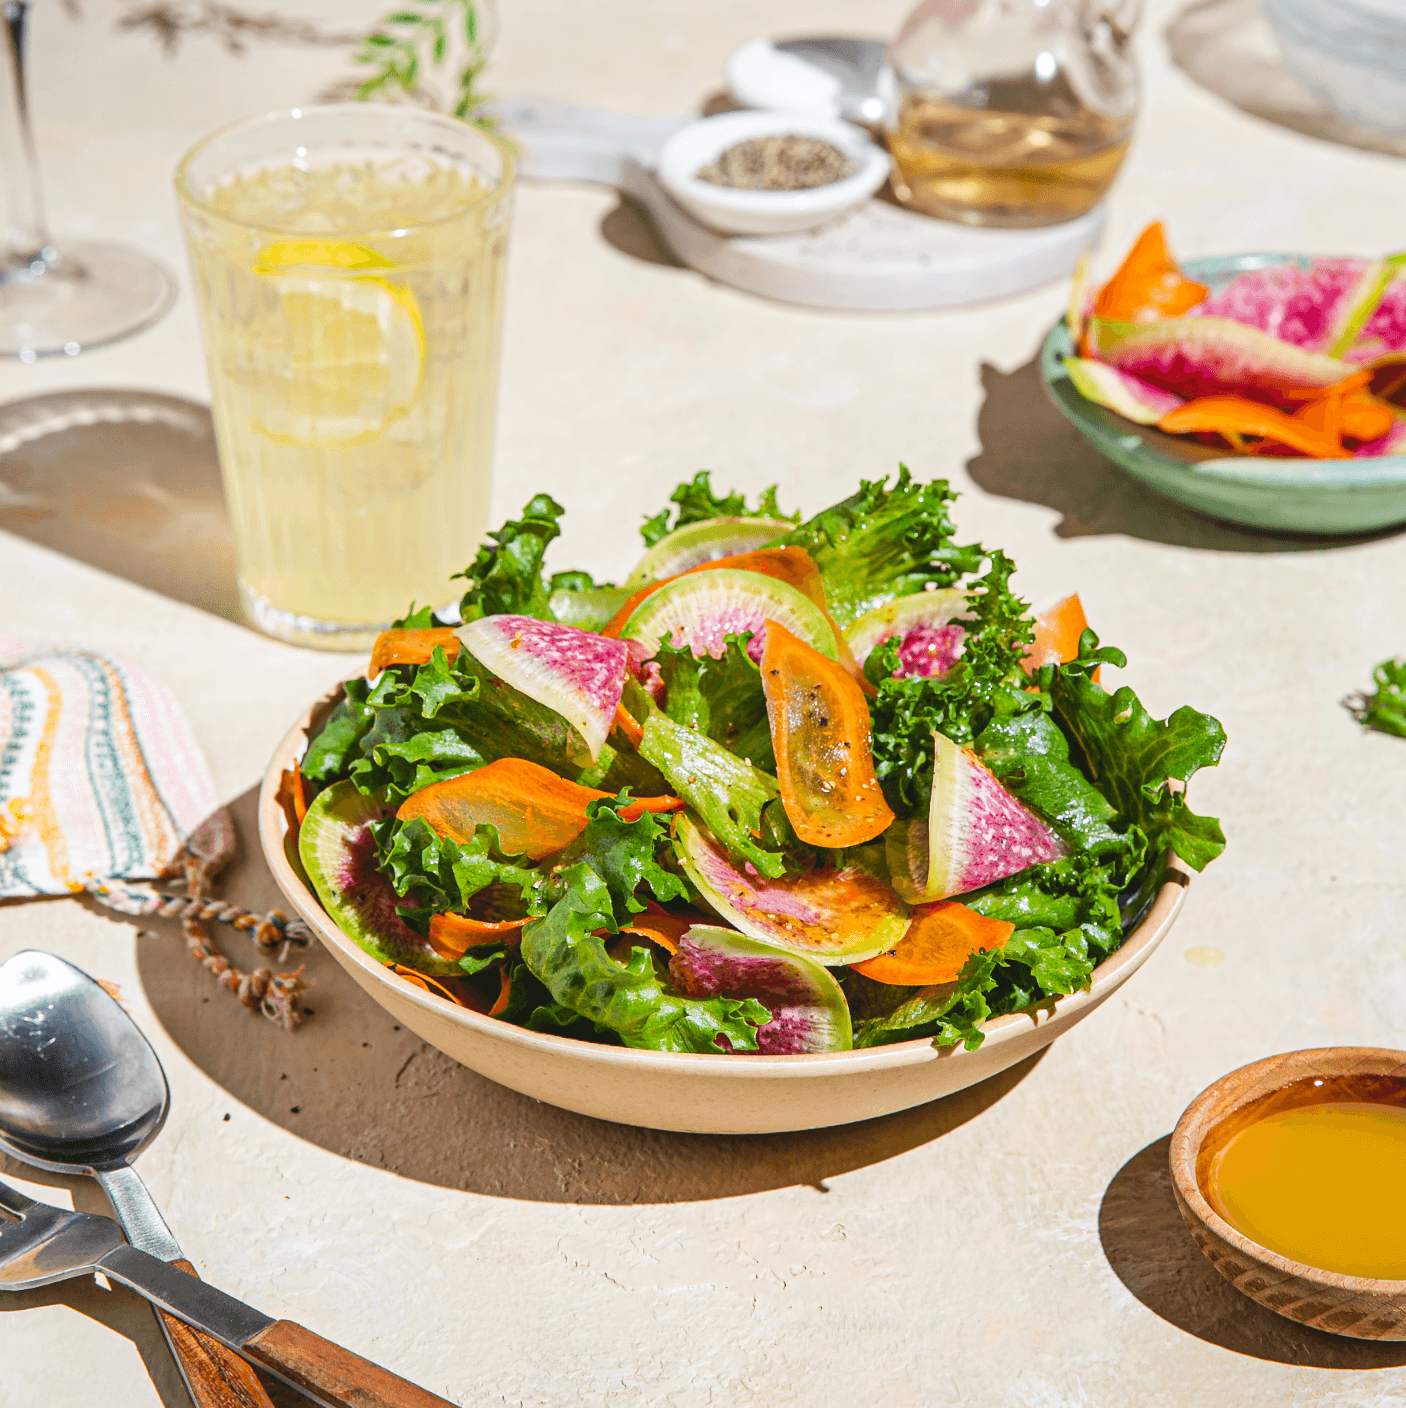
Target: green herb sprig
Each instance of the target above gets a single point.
(1385, 708)
(410, 40)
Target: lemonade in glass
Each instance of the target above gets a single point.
(349, 263)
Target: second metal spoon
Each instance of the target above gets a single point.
(81, 1091)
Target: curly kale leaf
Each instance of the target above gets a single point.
(720, 697)
(597, 880)
(1385, 708)
(696, 501)
(1132, 757)
(881, 543)
(507, 577)
(986, 683)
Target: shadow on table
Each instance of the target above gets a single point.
(119, 1309)
(1228, 47)
(1152, 1253)
(353, 1081)
(1031, 453)
(126, 481)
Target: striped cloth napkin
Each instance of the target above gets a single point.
(104, 789)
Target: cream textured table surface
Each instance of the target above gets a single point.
(1014, 1245)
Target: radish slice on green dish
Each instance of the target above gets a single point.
(808, 1008)
(1195, 356)
(1119, 391)
(705, 541)
(701, 610)
(976, 833)
(578, 673)
(833, 916)
(338, 852)
(932, 640)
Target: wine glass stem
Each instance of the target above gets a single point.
(27, 250)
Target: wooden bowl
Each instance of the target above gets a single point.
(698, 1093)
(1362, 1307)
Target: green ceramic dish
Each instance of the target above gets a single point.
(1286, 496)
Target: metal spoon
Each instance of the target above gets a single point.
(81, 1091)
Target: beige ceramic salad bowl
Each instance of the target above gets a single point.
(697, 1093)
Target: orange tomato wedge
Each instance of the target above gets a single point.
(1148, 285)
(939, 941)
(1057, 633)
(415, 647)
(820, 732)
(536, 812)
(1235, 417)
(453, 935)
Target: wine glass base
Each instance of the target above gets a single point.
(91, 294)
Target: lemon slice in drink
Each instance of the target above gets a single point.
(343, 354)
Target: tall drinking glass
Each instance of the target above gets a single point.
(349, 263)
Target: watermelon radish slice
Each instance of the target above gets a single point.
(1120, 391)
(1196, 356)
(932, 640)
(705, 541)
(1316, 308)
(578, 673)
(701, 610)
(1383, 331)
(808, 1008)
(339, 854)
(976, 833)
(832, 916)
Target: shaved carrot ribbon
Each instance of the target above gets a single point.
(626, 722)
(1148, 285)
(505, 991)
(461, 995)
(453, 935)
(536, 812)
(936, 946)
(1236, 417)
(411, 647)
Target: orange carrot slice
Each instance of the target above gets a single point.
(1231, 416)
(626, 722)
(536, 812)
(1148, 285)
(411, 647)
(1057, 633)
(939, 941)
(461, 994)
(505, 991)
(1345, 410)
(453, 935)
(820, 732)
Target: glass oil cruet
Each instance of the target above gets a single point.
(1011, 112)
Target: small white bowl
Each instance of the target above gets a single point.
(741, 212)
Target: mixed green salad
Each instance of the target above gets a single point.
(792, 786)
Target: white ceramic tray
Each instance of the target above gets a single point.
(878, 257)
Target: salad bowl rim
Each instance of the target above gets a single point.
(1149, 931)
(1100, 424)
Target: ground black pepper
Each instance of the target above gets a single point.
(785, 163)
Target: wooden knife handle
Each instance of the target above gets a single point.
(217, 1377)
(331, 1373)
